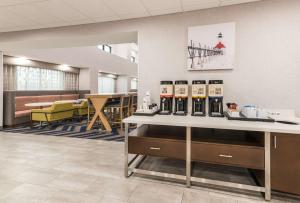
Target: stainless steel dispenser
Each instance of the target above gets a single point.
(215, 97)
(198, 98)
(181, 97)
(166, 97)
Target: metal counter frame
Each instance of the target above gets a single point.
(132, 167)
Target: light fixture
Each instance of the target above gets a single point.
(21, 61)
(64, 67)
(111, 76)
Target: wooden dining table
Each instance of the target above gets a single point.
(99, 101)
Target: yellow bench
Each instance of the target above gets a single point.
(82, 108)
(58, 111)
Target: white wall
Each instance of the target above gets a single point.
(93, 79)
(122, 84)
(267, 49)
(267, 53)
(84, 79)
(125, 50)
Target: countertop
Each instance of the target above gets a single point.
(216, 122)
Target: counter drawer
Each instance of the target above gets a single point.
(235, 155)
(157, 147)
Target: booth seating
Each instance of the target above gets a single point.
(69, 96)
(22, 110)
(15, 111)
(58, 111)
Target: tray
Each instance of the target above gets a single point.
(244, 118)
(145, 114)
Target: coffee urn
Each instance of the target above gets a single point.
(181, 97)
(166, 97)
(198, 98)
(215, 98)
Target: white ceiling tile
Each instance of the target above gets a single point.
(91, 8)
(15, 2)
(186, 2)
(189, 5)
(165, 11)
(128, 7)
(161, 5)
(7, 18)
(4, 22)
(9, 29)
(60, 10)
(231, 2)
(133, 15)
(67, 23)
(158, 7)
(33, 12)
(105, 19)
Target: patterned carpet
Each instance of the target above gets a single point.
(68, 129)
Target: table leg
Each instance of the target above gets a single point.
(188, 156)
(267, 166)
(99, 104)
(90, 125)
(105, 122)
(88, 116)
(126, 151)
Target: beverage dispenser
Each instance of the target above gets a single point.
(215, 97)
(181, 97)
(166, 97)
(198, 98)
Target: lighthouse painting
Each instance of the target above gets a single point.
(211, 47)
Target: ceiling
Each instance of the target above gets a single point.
(18, 15)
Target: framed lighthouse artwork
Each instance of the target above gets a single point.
(211, 47)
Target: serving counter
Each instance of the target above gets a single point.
(217, 141)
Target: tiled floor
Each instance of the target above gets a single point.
(61, 170)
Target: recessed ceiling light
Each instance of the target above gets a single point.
(111, 76)
(64, 67)
(22, 61)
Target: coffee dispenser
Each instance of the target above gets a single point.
(181, 97)
(198, 98)
(166, 97)
(215, 97)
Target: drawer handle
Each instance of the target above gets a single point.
(155, 148)
(275, 142)
(225, 156)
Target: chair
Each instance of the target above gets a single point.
(123, 110)
(133, 104)
(58, 111)
(111, 106)
(81, 109)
